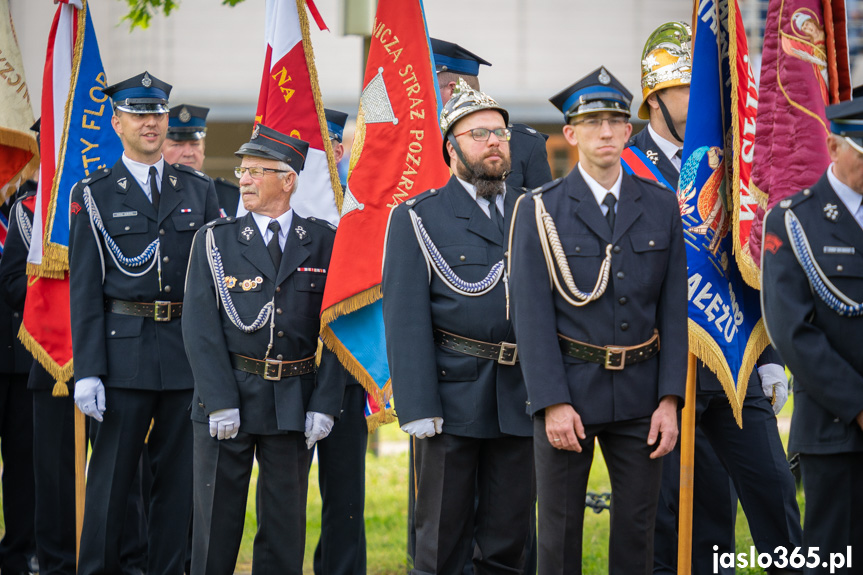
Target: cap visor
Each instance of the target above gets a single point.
(143, 108)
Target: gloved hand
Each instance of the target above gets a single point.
(774, 381)
(422, 428)
(318, 426)
(90, 397)
(225, 423)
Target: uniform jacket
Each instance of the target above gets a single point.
(530, 167)
(266, 407)
(229, 196)
(14, 357)
(644, 142)
(128, 351)
(646, 291)
(475, 397)
(820, 347)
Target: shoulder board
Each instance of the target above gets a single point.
(189, 170)
(221, 221)
(25, 195)
(659, 185)
(546, 187)
(97, 175)
(525, 129)
(795, 200)
(422, 196)
(322, 223)
(225, 182)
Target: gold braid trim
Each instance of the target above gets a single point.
(359, 140)
(352, 304)
(319, 106)
(61, 373)
(19, 140)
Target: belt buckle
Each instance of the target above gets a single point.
(610, 350)
(268, 374)
(162, 311)
(505, 349)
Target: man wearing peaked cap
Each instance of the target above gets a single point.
(768, 495)
(251, 322)
(529, 161)
(591, 359)
(812, 279)
(452, 356)
(341, 549)
(185, 144)
(131, 228)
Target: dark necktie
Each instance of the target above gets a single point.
(273, 247)
(609, 201)
(495, 216)
(154, 188)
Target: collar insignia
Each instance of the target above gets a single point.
(173, 180)
(247, 233)
(831, 212)
(301, 233)
(652, 155)
(122, 183)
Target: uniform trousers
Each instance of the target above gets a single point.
(19, 499)
(222, 472)
(561, 483)
(834, 507)
(54, 480)
(450, 470)
(755, 460)
(341, 549)
(117, 446)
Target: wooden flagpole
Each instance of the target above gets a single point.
(80, 477)
(687, 459)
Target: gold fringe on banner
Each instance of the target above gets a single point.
(46, 270)
(380, 418)
(60, 373)
(319, 105)
(21, 141)
(56, 256)
(351, 304)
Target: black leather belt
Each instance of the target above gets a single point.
(504, 353)
(158, 310)
(614, 357)
(273, 369)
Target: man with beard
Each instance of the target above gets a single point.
(591, 360)
(456, 380)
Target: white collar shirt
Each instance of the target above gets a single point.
(599, 191)
(141, 173)
(284, 224)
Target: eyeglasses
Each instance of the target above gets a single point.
(614, 122)
(256, 171)
(483, 134)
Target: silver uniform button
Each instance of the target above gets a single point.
(167, 289)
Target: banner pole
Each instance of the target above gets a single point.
(80, 478)
(687, 459)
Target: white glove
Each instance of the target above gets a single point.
(225, 423)
(422, 428)
(774, 381)
(90, 397)
(318, 426)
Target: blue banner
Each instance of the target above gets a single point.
(88, 142)
(725, 328)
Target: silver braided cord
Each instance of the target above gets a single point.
(821, 284)
(24, 225)
(554, 254)
(151, 252)
(218, 271)
(436, 261)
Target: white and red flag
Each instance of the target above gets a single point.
(290, 102)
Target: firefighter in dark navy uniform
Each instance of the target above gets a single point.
(529, 158)
(772, 514)
(253, 303)
(812, 281)
(186, 144)
(591, 359)
(341, 549)
(130, 234)
(451, 352)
